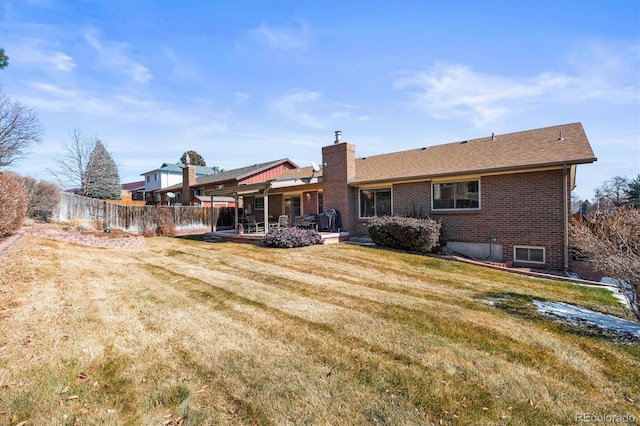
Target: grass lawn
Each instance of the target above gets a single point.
(185, 332)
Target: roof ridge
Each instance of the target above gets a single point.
(495, 136)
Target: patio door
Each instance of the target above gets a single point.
(292, 207)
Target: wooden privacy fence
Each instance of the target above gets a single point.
(138, 218)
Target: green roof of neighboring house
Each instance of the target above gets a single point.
(177, 169)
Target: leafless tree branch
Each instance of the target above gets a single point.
(19, 128)
(612, 240)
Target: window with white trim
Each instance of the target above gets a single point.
(456, 195)
(375, 202)
(529, 254)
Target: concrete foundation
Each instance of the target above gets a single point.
(484, 251)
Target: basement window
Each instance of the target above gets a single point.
(529, 254)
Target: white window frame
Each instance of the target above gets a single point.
(433, 198)
(544, 254)
(377, 188)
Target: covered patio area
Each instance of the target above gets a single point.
(264, 190)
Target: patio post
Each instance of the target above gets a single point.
(266, 209)
(235, 226)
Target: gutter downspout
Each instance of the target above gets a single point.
(566, 217)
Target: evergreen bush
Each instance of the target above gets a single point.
(290, 238)
(405, 233)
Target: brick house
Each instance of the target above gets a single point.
(504, 198)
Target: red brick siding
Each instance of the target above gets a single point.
(409, 199)
(309, 204)
(275, 205)
(412, 199)
(340, 167)
(519, 209)
(188, 180)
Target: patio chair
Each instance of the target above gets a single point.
(253, 226)
(283, 221)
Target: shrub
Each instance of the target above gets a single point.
(166, 227)
(43, 198)
(290, 238)
(612, 241)
(405, 233)
(13, 203)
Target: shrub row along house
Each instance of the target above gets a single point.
(504, 198)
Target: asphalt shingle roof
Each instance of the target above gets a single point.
(237, 174)
(513, 151)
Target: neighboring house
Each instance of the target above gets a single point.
(133, 191)
(504, 198)
(191, 185)
(168, 175)
(204, 201)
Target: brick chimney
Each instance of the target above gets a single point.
(339, 169)
(188, 180)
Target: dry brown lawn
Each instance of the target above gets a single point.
(185, 332)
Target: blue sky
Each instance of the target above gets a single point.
(243, 82)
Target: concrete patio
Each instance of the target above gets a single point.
(256, 237)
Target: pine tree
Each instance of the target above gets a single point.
(194, 158)
(633, 193)
(103, 180)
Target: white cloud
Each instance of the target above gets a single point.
(41, 54)
(241, 98)
(295, 106)
(454, 90)
(607, 71)
(308, 108)
(115, 56)
(280, 38)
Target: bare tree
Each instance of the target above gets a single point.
(43, 198)
(73, 164)
(19, 128)
(613, 192)
(87, 168)
(612, 240)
